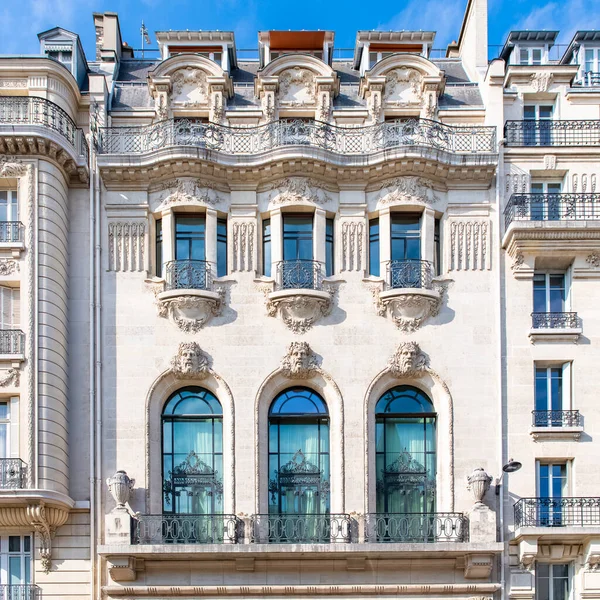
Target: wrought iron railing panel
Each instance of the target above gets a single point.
(589, 78)
(186, 529)
(300, 529)
(550, 132)
(13, 474)
(28, 110)
(187, 275)
(11, 231)
(557, 512)
(19, 591)
(556, 418)
(299, 274)
(295, 132)
(552, 207)
(416, 527)
(554, 320)
(410, 273)
(12, 341)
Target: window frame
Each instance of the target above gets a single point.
(12, 205)
(529, 51)
(25, 556)
(222, 250)
(551, 579)
(566, 397)
(566, 304)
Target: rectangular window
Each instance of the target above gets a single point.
(159, 248)
(266, 247)
(329, 264)
(552, 581)
(437, 254)
(406, 236)
(546, 205)
(10, 307)
(190, 237)
(4, 429)
(549, 292)
(297, 237)
(15, 560)
(9, 207)
(221, 247)
(549, 393)
(530, 56)
(374, 263)
(552, 488)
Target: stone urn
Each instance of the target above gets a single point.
(120, 486)
(479, 483)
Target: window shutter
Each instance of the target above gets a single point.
(566, 386)
(16, 309)
(5, 307)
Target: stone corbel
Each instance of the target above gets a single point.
(190, 309)
(478, 566)
(266, 89)
(45, 522)
(591, 555)
(125, 568)
(528, 551)
(160, 90)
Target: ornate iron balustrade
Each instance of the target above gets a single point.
(410, 273)
(28, 110)
(19, 591)
(300, 529)
(12, 341)
(186, 529)
(549, 132)
(294, 132)
(557, 512)
(11, 231)
(552, 207)
(187, 275)
(556, 418)
(416, 527)
(13, 473)
(299, 274)
(554, 320)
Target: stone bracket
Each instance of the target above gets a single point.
(299, 309)
(478, 566)
(190, 310)
(125, 568)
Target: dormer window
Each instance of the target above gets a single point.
(530, 56)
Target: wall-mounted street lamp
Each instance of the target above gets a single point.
(510, 467)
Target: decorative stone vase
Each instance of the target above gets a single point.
(479, 484)
(120, 486)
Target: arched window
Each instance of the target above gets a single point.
(298, 454)
(192, 431)
(405, 452)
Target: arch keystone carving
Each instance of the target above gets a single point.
(190, 361)
(299, 362)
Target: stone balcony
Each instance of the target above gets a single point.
(555, 327)
(35, 126)
(556, 425)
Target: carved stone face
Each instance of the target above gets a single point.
(408, 356)
(189, 361)
(299, 361)
(298, 357)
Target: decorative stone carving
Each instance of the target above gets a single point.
(408, 361)
(190, 310)
(353, 235)
(517, 183)
(470, 245)
(540, 82)
(120, 486)
(299, 362)
(190, 88)
(479, 483)
(243, 245)
(403, 87)
(8, 266)
(593, 259)
(13, 83)
(550, 162)
(126, 246)
(407, 190)
(45, 522)
(187, 191)
(190, 362)
(518, 262)
(297, 87)
(292, 190)
(10, 376)
(299, 311)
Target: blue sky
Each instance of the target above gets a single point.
(21, 21)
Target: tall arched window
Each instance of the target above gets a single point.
(405, 452)
(192, 429)
(298, 454)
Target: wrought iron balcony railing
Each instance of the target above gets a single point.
(299, 274)
(12, 341)
(295, 132)
(11, 231)
(300, 529)
(187, 275)
(28, 110)
(552, 207)
(557, 512)
(416, 527)
(550, 132)
(409, 273)
(554, 320)
(19, 591)
(589, 79)
(556, 418)
(186, 529)
(13, 474)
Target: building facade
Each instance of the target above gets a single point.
(312, 324)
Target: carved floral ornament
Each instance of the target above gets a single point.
(186, 191)
(406, 190)
(299, 312)
(190, 311)
(403, 87)
(293, 190)
(190, 88)
(297, 87)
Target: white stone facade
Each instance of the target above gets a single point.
(494, 164)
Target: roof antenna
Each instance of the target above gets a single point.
(145, 37)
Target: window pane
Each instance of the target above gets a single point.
(221, 247)
(541, 389)
(14, 543)
(267, 247)
(539, 292)
(556, 388)
(329, 247)
(189, 238)
(297, 237)
(14, 570)
(159, 249)
(523, 56)
(545, 112)
(529, 112)
(374, 247)
(536, 56)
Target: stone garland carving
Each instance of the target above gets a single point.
(126, 246)
(187, 191)
(593, 259)
(10, 376)
(8, 266)
(243, 245)
(353, 234)
(406, 190)
(299, 362)
(190, 362)
(13, 83)
(540, 82)
(397, 81)
(15, 168)
(297, 87)
(191, 312)
(189, 88)
(297, 189)
(470, 245)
